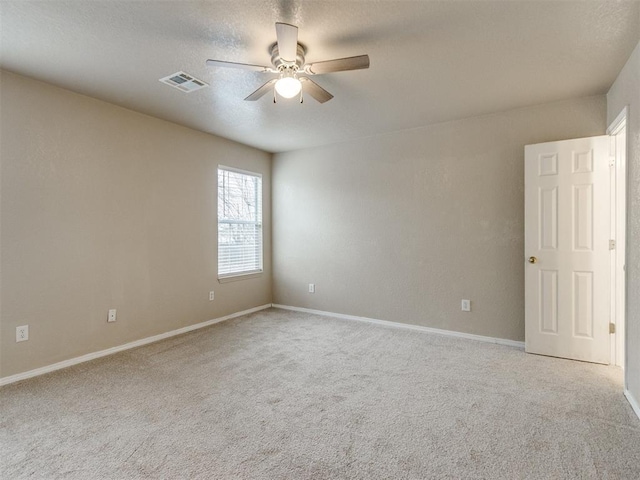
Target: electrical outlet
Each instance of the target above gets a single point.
(312, 288)
(211, 296)
(466, 305)
(112, 315)
(22, 333)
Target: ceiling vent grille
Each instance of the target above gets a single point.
(184, 82)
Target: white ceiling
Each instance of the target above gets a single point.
(431, 61)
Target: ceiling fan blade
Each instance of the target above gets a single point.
(287, 36)
(315, 90)
(338, 65)
(243, 66)
(259, 93)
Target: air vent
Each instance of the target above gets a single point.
(184, 82)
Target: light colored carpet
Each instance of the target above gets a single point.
(282, 395)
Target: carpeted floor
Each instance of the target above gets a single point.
(282, 395)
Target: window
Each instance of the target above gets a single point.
(239, 222)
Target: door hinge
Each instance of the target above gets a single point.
(612, 244)
(612, 161)
(612, 328)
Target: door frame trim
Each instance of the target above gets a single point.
(619, 124)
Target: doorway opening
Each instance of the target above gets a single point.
(575, 244)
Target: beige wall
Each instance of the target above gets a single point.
(626, 92)
(105, 208)
(403, 226)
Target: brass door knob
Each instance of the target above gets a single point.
(533, 259)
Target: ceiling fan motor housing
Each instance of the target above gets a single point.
(280, 64)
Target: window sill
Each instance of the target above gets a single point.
(239, 276)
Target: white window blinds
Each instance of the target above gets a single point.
(239, 222)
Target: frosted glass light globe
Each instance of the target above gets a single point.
(288, 87)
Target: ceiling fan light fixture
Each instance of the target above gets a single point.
(288, 60)
(288, 87)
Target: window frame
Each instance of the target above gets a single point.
(239, 275)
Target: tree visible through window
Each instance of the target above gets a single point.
(239, 222)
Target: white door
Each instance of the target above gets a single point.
(567, 258)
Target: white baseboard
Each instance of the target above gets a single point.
(110, 351)
(407, 326)
(634, 403)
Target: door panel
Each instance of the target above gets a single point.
(549, 218)
(567, 274)
(549, 301)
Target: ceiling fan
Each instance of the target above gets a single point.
(287, 59)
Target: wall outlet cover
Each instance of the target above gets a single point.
(22, 333)
(466, 305)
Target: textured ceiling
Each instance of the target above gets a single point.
(430, 61)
